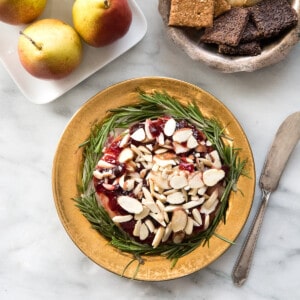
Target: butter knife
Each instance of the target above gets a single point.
(284, 143)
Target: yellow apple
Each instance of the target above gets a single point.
(20, 11)
(49, 49)
(101, 22)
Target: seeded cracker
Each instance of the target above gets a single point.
(227, 28)
(220, 7)
(192, 13)
(273, 16)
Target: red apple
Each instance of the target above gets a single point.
(101, 22)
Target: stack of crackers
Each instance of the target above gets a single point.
(237, 30)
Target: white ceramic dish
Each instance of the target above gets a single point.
(44, 91)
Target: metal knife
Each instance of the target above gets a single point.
(284, 143)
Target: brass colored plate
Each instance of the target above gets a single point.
(67, 167)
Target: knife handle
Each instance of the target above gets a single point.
(242, 266)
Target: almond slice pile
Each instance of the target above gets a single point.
(161, 181)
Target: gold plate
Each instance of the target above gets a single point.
(67, 167)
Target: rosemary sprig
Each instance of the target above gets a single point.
(153, 106)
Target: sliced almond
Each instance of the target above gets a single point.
(150, 147)
(137, 228)
(130, 204)
(159, 181)
(151, 205)
(104, 164)
(178, 181)
(147, 195)
(206, 162)
(170, 127)
(130, 166)
(206, 221)
(143, 214)
(147, 130)
(129, 185)
(167, 233)
(162, 210)
(209, 210)
(178, 237)
(192, 142)
(212, 176)
(159, 218)
(146, 157)
(158, 237)
(139, 135)
(210, 204)
(138, 189)
(161, 139)
(216, 162)
(122, 219)
(109, 187)
(144, 149)
(195, 180)
(144, 232)
(197, 216)
(97, 174)
(170, 208)
(182, 135)
(189, 226)
(160, 150)
(121, 181)
(212, 198)
(192, 204)
(125, 155)
(136, 150)
(163, 161)
(193, 192)
(179, 220)
(202, 190)
(150, 225)
(124, 141)
(175, 198)
(179, 148)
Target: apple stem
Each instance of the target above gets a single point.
(106, 3)
(31, 40)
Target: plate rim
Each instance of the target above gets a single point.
(149, 275)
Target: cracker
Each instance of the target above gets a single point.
(227, 28)
(247, 49)
(192, 13)
(250, 33)
(220, 7)
(271, 17)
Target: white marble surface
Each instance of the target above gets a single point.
(37, 258)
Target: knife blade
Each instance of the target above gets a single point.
(283, 145)
(286, 139)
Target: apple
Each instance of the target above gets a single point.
(101, 22)
(49, 49)
(20, 11)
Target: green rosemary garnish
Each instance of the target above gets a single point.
(153, 106)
